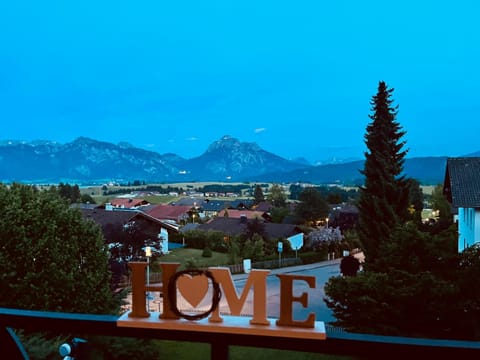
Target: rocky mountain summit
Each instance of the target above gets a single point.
(88, 161)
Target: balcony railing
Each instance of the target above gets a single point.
(337, 343)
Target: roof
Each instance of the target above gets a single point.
(232, 226)
(189, 201)
(232, 213)
(120, 217)
(170, 212)
(263, 206)
(128, 202)
(462, 182)
(214, 205)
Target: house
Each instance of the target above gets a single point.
(127, 203)
(177, 213)
(462, 189)
(211, 208)
(237, 214)
(144, 229)
(263, 206)
(236, 226)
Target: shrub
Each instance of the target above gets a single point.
(207, 252)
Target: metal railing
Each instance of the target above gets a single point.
(337, 342)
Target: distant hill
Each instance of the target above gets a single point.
(427, 170)
(87, 161)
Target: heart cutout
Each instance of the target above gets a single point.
(193, 289)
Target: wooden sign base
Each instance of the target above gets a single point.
(230, 325)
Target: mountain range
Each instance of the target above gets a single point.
(88, 161)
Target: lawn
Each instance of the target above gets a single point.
(198, 351)
(186, 256)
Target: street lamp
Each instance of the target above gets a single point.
(326, 219)
(148, 254)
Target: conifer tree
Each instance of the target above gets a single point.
(258, 196)
(384, 198)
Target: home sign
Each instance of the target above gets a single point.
(213, 286)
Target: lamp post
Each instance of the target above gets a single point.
(326, 219)
(148, 254)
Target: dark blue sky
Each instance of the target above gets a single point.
(294, 77)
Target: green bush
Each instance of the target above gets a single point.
(207, 252)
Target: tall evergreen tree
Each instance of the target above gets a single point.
(258, 196)
(384, 198)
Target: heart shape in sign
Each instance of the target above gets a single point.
(193, 289)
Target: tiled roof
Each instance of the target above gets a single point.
(169, 212)
(128, 202)
(232, 213)
(462, 182)
(104, 217)
(116, 218)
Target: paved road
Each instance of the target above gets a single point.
(321, 271)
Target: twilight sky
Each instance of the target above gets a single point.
(296, 77)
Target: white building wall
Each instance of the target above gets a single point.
(468, 227)
(476, 226)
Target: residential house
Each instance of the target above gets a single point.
(145, 229)
(263, 206)
(127, 203)
(176, 213)
(237, 214)
(211, 208)
(237, 226)
(462, 189)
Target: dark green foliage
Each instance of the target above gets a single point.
(198, 239)
(258, 196)
(71, 193)
(255, 226)
(51, 258)
(312, 206)
(440, 203)
(277, 196)
(415, 200)
(397, 303)
(422, 288)
(207, 252)
(278, 215)
(349, 266)
(384, 199)
(87, 199)
(333, 194)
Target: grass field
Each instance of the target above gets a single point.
(193, 351)
(185, 255)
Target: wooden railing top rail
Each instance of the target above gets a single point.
(338, 343)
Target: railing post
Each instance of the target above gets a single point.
(219, 350)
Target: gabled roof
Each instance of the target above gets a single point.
(168, 212)
(128, 203)
(214, 205)
(232, 226)
(262, 206)
(120, 217)
(189, 201)
(237, 214)
(462, 182)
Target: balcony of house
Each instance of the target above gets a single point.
(222, 342)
